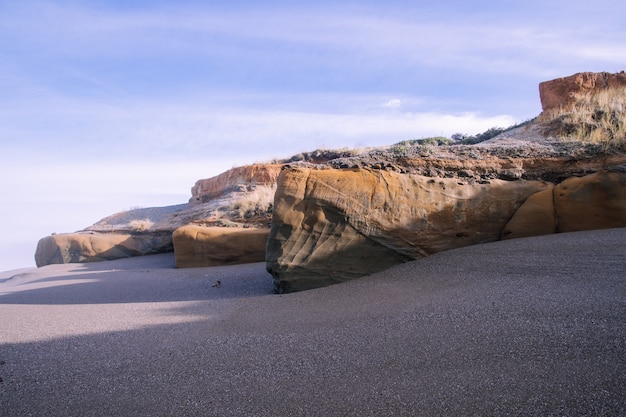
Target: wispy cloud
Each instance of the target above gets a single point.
(335, 32)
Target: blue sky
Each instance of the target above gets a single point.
(107, 105)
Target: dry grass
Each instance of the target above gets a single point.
(598, 118)
(141, 225)
(254, 203)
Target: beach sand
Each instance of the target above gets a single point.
(533, 326)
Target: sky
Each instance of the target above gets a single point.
(109, 105)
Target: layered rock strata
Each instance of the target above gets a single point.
(333, 225)
(236, 179)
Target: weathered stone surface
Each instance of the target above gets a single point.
(198, 246)
(333, 225)
(596, 201)
(535, 217)
(561, 92)
(234, 179)
(92, 247)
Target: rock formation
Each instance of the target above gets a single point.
(333, 225)
(199, 246)
(562, 92)
(338, 215)
(242, 196)
(92, 246)
(236, 179)
(596, 201)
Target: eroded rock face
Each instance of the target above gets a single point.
(333, 225)
(246, 176)
(92, 247)
(535, 217)
(596, 201)
(561, 92)
(199, 246)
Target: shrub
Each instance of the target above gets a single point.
(480, 137)
(141, 225)
(256, 202)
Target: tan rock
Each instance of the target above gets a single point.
(199, 246)
(333, 225)
(596, 201)
(240, 177)
(535, 217)
(561, 92)
(93, 247)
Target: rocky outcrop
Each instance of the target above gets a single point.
(241, 196)
(596, 201)
(333, 225)
(562, 92)
(241, 178)
(92, 247)
(535, 217)
(198, 246)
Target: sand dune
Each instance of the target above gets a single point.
(532, 326)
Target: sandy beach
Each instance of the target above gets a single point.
(533, 326)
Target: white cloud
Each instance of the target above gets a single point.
(393, 103)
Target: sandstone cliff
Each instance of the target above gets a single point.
(337, 224)
(236, 179)
(333, 225)
(337, 215)
(562, 92)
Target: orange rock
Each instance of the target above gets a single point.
(561, 92)
(333, 225)
(246, 176)
(596, 201)
(535, 217)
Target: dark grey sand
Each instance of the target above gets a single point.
(524, 327)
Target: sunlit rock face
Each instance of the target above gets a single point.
(562, 92)
(596, 201)
(333, 225)
(234, 179)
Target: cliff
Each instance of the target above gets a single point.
(331, 225)
(337, 215)
(563, 92)
(236, 179)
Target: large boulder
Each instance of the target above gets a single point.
(331, 225)
(92, 247)
(199, 246)
(562, 92)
